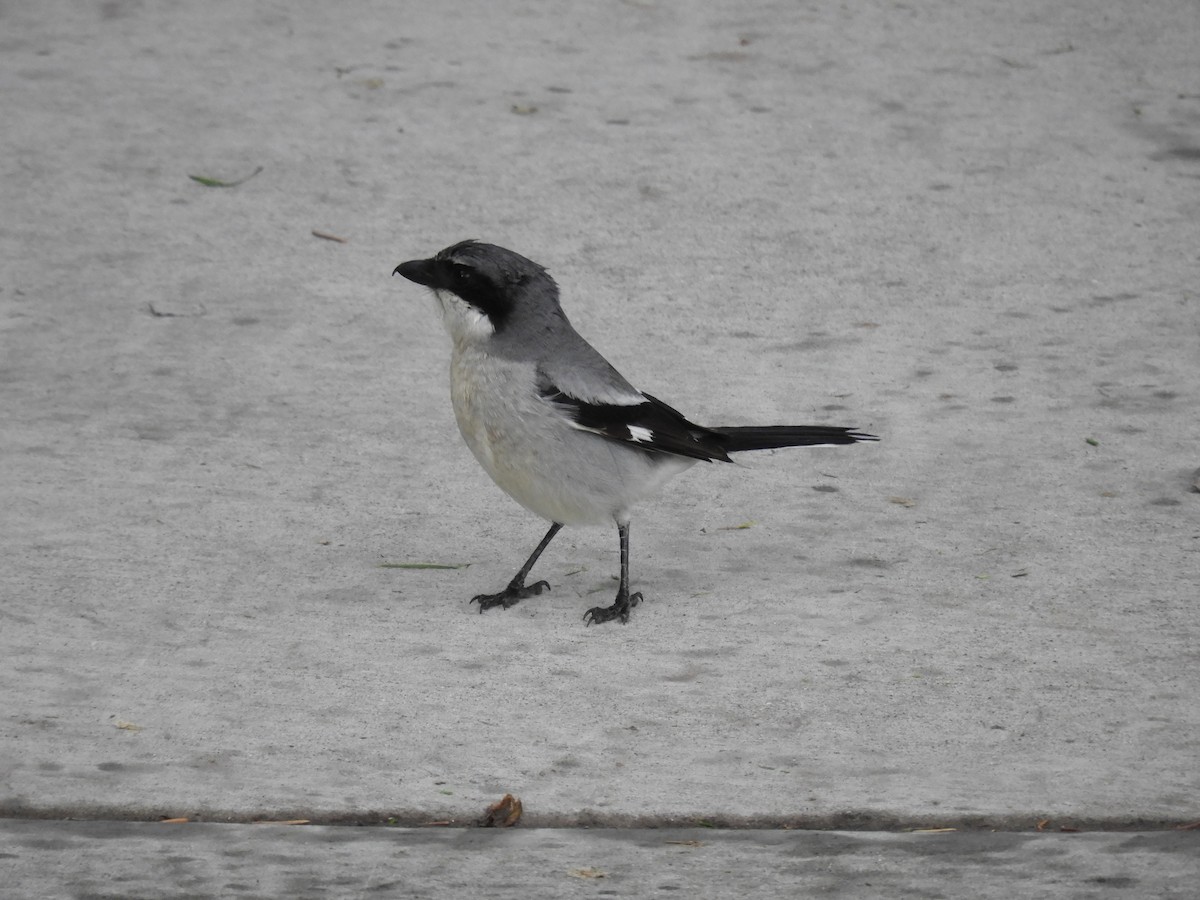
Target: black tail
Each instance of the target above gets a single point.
(769, 437)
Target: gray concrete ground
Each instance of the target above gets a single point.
(123, 859)
(971, 228)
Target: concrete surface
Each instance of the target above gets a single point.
(124, 859)
(970, 228)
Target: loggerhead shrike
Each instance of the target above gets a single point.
(554, 424)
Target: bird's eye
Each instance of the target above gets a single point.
(463, 275)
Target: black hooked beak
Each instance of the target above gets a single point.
(421, 271)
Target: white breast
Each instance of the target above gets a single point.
(532, 452)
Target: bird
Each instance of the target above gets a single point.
(553, 423)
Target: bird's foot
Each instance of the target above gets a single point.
(510, 596)
(598, 615)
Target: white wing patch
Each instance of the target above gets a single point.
(640, 434)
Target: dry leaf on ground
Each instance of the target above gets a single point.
(504, 813)
(586, 872)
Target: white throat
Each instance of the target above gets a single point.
(465, 324)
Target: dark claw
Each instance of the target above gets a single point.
(510, 596)
(598, 615)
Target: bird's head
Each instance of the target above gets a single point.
(482, 289)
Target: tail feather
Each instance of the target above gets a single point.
(768, 437)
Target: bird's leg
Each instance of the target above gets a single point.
(517, 589)
(625, 601)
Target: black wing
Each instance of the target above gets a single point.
(650, 425)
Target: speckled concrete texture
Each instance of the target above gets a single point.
(969, 228)
(107, 859)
